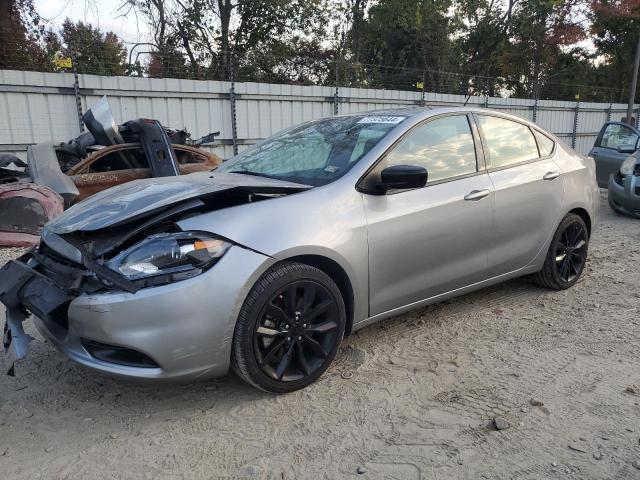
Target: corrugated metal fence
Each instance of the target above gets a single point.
(36, 107)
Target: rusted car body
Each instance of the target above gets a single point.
(89, 181)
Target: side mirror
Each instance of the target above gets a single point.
(400, 177)
(629, 148)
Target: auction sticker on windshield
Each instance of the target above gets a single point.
(381, 119)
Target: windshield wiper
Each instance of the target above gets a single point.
(253, 174)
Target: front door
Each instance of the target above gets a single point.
(605, 151)
(430, 240)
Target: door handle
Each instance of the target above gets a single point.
(476, 195)
(594, 154)
(551, 175)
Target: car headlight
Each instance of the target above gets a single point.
(170, 253)
(628, 165)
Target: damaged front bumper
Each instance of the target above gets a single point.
(174, 331)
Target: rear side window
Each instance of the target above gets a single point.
(545, 144)
(508, 142)
(443, 146)
(616, 135)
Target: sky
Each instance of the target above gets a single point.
(101, 13)
(105, 15)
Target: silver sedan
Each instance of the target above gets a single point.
(265, 263)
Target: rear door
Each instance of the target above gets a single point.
(430, 240)
(528, 190)
(605, 151)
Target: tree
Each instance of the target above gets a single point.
(406, 42)
(615, 25)
(210, 33)
(94, 52)
(538, 31)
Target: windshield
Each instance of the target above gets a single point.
(314, 153)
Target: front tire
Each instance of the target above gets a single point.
(289, 328)
(567, 255)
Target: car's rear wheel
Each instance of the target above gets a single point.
(567, 255)
(289, 328)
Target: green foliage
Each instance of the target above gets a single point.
(524, 48)
(93, 51)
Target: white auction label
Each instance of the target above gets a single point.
(381, 119)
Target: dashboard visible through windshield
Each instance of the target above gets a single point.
(315, 153)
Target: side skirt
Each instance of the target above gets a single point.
(445, 296)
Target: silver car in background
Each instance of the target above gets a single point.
(265, 263)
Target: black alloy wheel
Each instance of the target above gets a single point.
(289, 328)
(296, 331)
(571, 252)
(567, 254)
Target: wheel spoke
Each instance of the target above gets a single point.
(560, 257)
(309, 296)
(302, 360)
(322, 327)
(564, 268)
(277, 313)
(319, 309)
(315, 347)
(269, 332)
(284, 362)
(581, 243)
(271, 353)
(291, 294)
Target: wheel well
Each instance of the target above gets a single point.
(582, 213)
(338, 275)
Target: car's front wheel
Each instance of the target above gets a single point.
(289, 328)
(567, 254)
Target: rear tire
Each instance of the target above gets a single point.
(567, 255)
(289, 328)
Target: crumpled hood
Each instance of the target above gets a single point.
(135, 199)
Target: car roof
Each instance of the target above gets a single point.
(428, 111)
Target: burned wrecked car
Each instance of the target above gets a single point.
(265, 263)
(58, 175)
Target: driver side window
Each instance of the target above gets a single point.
(443, 146)
(616, 135)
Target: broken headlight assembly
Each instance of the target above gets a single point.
(181, 255)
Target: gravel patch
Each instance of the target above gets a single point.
(414, 397)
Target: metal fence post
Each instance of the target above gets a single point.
(486, 93)
(609, 111)
(232, 104)
(76, 93)
(336, 98)
(536, 95)
(574, 133)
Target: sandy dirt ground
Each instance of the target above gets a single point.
(411, 398)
